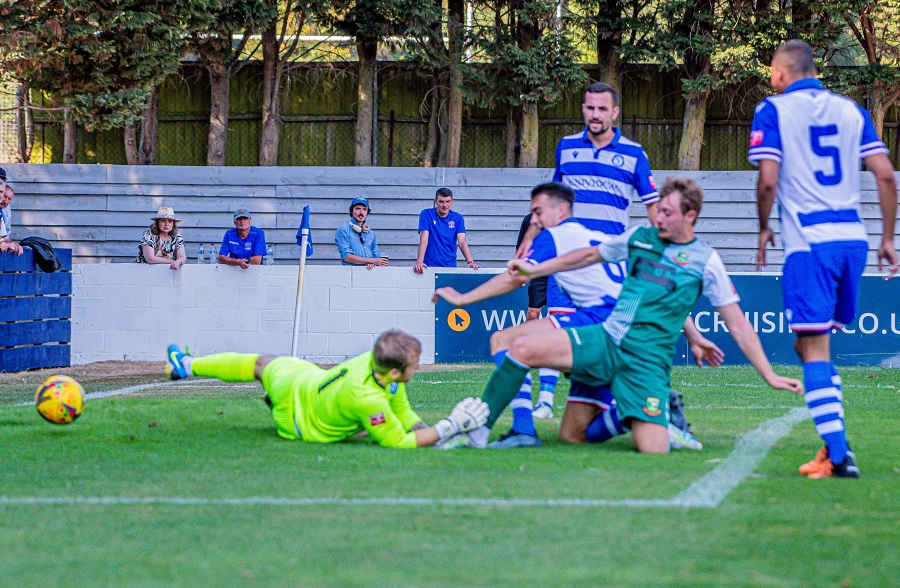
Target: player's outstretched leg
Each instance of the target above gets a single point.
(228, 367)
(544, 408)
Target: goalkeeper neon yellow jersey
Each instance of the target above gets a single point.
(340, 402)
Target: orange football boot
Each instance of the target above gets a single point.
(816, 463)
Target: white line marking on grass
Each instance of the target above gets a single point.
(707, 492)
(128, 390)
(710, 490)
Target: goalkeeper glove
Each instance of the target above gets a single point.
(466, 416)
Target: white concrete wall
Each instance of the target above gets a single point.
(133, 311)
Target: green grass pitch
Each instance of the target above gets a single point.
(164, 478)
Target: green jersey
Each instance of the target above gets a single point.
(334, 404)
(664, 282)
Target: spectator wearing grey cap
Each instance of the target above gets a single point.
(6, 196)
(244, 245)
(356, 241)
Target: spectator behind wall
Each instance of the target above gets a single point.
(356, 241)
(441, 230)
(162, 243)
(244, 245)
(6, 196)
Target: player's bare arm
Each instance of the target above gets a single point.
(496, 286)
(766, 188)
(572, 260)
(702, 348)
(651, 213)
(881, 167)
(525, 246)
(747, 339)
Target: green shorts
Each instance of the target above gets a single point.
(283, 379)
(640, 387)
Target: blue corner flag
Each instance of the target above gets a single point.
(304, 225)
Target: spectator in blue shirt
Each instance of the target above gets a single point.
(243, 245)
(440, 231)
(356, 241)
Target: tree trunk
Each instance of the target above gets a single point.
(220, 87)
(131, 149)
(877, 107)
(455, 34)
(271, 100)
(70, 139)
(150, 128)
(692, 136)
(367, 52)
(513, 117)
(608, 64)
(454, 119)
(24, 125)
(431, 147)
(528, 155)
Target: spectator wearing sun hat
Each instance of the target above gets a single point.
(244, 245)
(162, 243)
(6, 196)
(356, 241)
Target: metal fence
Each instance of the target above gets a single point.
(8, 136)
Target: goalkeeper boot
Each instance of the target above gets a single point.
(543, 410)
(816, 462)
(175, 368)
(681, 439)
(513, 440)
(676, 411)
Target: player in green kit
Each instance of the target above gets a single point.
(631, 352)
(366, 393)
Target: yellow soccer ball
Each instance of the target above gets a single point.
(60, 400)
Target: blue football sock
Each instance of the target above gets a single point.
(521, 407)
(825, 401)
(549, 378)
(605, 426)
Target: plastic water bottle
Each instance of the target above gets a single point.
(201, 258)
(213, 254)
(270, 255)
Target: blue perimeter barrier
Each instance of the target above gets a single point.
(35, 312)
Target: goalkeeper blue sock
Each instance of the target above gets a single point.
(825, 401)
(549, 379)
(503, 386)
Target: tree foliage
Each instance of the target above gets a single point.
(97, 58)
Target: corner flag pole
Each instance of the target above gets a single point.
(303, 242)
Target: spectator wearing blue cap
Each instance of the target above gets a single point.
(244, 245)
(6, 196)
(356, 241)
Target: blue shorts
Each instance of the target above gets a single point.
(599, 396)
(593, 315)
(821, 286)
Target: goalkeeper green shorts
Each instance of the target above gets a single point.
(283, 379)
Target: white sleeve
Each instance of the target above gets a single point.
(717, 285)
(616, 248)
(4, 232)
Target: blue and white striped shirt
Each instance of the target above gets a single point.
(604, 180)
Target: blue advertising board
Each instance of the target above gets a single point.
(463, 334)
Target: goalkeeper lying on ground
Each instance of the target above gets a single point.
(366, 393)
